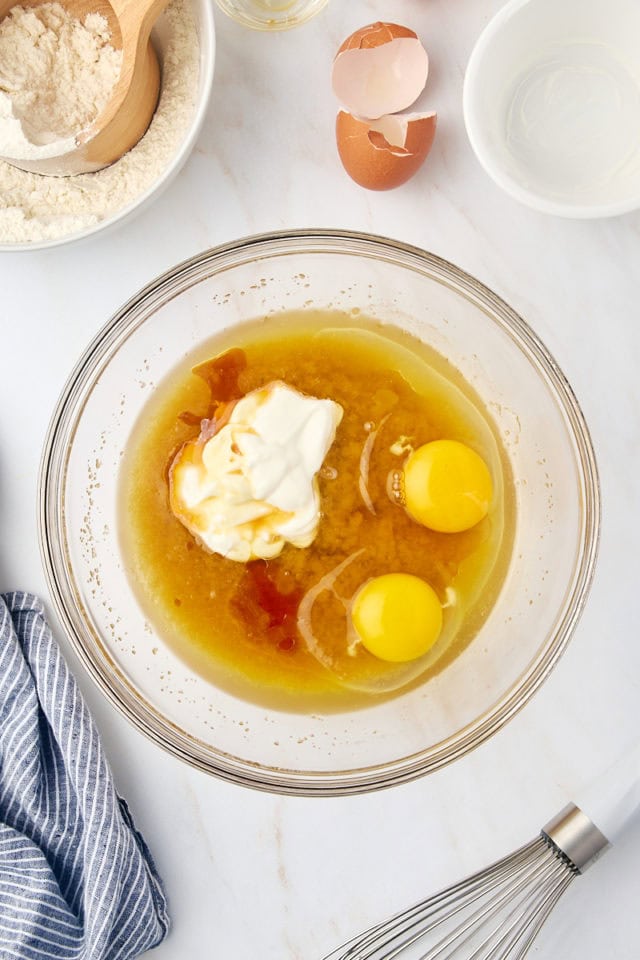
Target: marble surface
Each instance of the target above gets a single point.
(253, 875)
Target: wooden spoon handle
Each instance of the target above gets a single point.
(136, 18)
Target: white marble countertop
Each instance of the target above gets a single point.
(253, 875)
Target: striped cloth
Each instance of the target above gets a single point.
(76, 879)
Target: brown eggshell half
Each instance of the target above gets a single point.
(375, 34)
(384, 153)
(379, 69)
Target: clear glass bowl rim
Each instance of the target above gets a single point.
(265, 23)
(51, 508)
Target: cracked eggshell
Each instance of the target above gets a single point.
(380, 69)
(384, 153)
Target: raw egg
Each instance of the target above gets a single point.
(397, 617)
(385, 153)
(447, 486)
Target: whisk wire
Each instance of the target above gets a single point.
(490, 913)
(538, 911)
(508, 903)
(464, 932)
(509, 930)
(427, 915)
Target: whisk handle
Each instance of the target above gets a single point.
(585, 829)
(614, 798)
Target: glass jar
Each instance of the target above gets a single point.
(271, 14)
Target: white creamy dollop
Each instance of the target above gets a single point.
(252, 487)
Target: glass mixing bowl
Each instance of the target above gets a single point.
(555, 539)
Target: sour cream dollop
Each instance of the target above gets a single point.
(252, 487)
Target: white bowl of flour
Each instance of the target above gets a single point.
(38, 212)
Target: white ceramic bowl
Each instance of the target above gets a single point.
(552, 104)
(204, 25)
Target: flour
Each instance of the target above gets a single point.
(56, 75)
(35, 208)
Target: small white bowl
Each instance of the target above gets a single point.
(552, 104)
(161, 35)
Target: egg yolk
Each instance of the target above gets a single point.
(447, 486)
(398, 617)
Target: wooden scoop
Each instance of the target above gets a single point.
(128, 112)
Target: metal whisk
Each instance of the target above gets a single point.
(495, 914)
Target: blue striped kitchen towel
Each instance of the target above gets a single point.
(76, 879)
